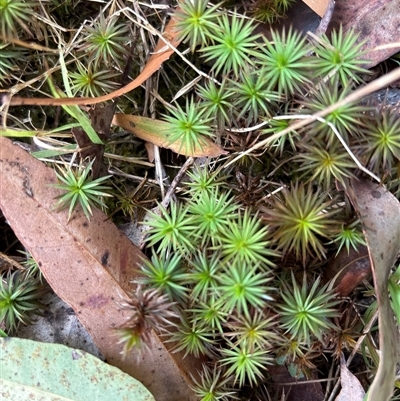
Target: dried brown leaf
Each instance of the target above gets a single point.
(89, 264)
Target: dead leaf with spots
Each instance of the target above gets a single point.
(89, 264)
(379, 212)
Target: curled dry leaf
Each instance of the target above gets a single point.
(154, 131)
(89, 264)
(379, 212)
(161, 53)
(349, 269)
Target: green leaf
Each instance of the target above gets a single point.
(394, 289)
(190, 126)
(33, 370)
(47, 153)
(23, 133)
(17, 133)
(73, 111)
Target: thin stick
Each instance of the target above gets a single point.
(175, 182)
(11, 261)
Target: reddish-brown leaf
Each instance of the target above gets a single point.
(351, 269)
(161, 53)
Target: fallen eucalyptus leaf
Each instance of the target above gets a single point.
(379, 212)
(352, 390)
(90, 265)
(155, 131)
(32, 370)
